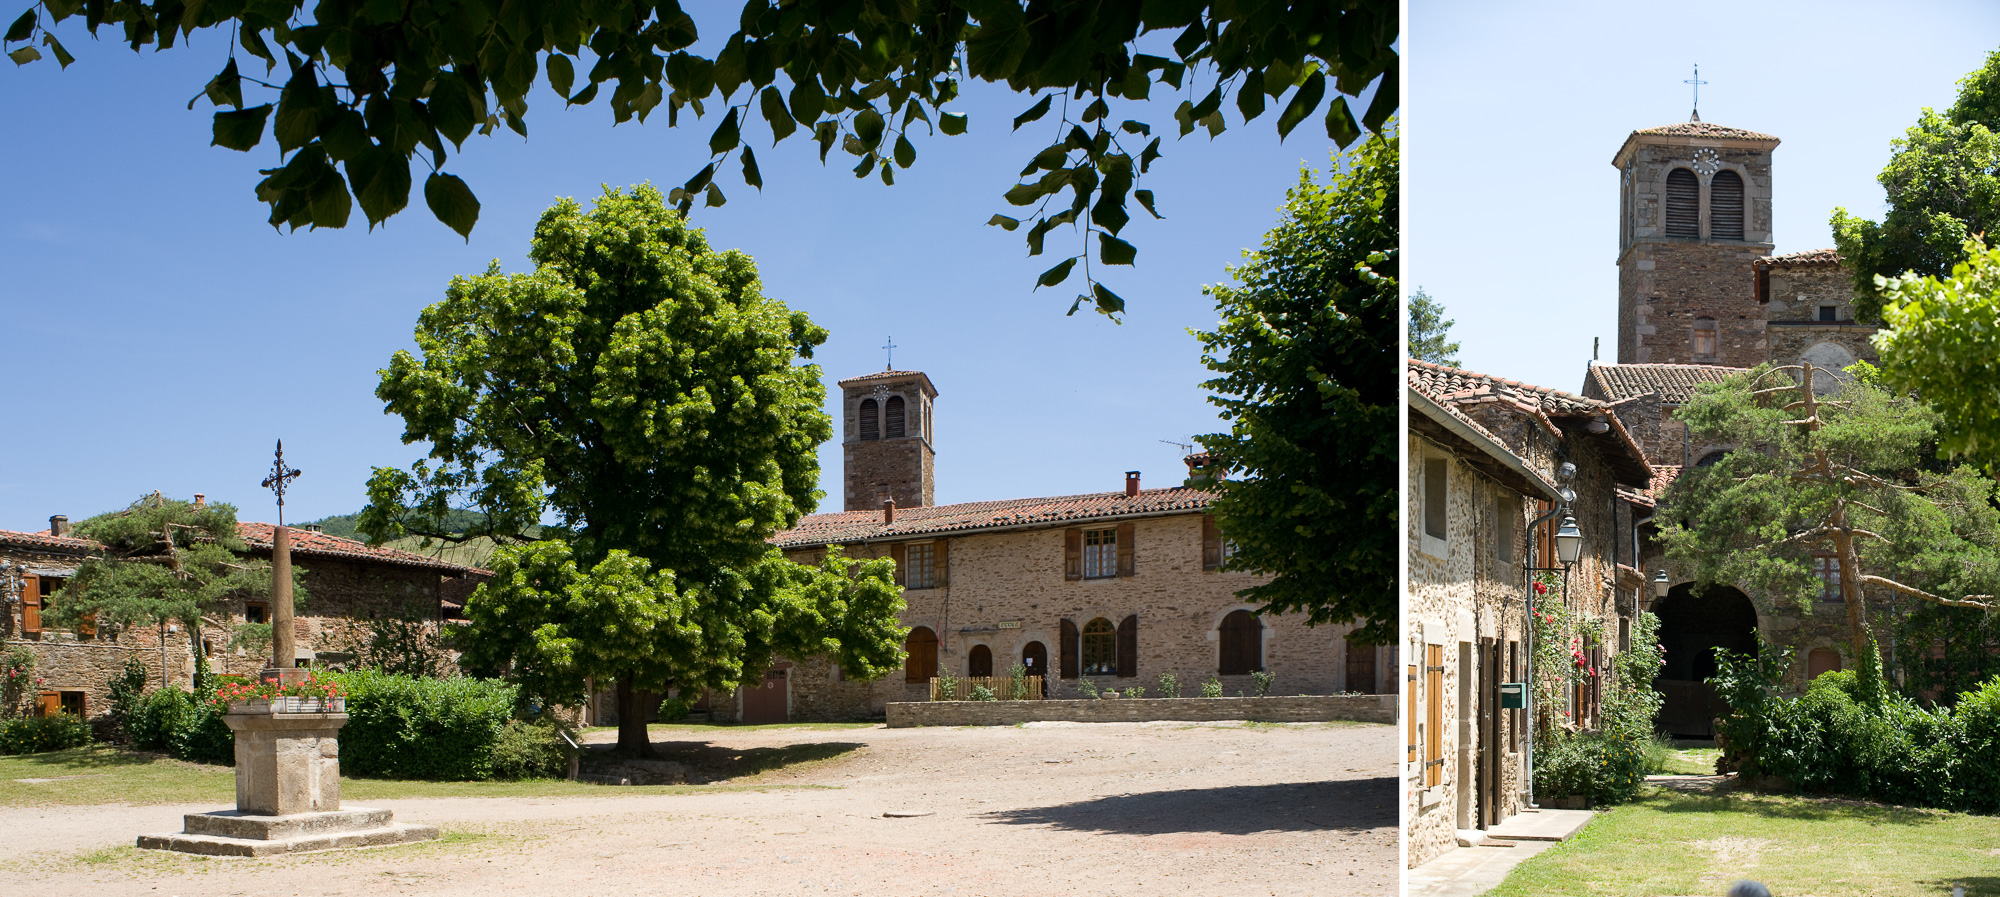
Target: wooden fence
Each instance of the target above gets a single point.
(1002, 688)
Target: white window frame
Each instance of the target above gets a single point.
(1100, 560)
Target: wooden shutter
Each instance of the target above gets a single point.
(1410, 712)
(86, 626)
(1125, 549)
(31, 604)
(893, 418)
(1128, 647)
(1211, 544)
(1434, 716)
(49, 703)
(940, 563)
(1725, 206)
(1683, 204)
(1073, 553)
(869, 414)
(899, 553)
(1069, 648)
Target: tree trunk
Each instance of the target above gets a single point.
(632, 738)
(1850, 585)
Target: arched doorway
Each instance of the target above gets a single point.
(979, 662)
(1035, 656)
(1692, 627)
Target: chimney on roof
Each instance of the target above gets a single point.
(308, 527)
(59, 525)
(1131, 484)
(888, 511)
(1204, 467)
(200, 501)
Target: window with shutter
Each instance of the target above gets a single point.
(920, 565)
(1242, 638)
(899, 552)
(870, 415)
(940, 564)
(1067, 650)
(1701, 340)
(48, 703)
(1100, 648)
(892, 414)
(1100, 553)
(1128, 647)
(920, 664)
(1725, 206)
(1683, 204)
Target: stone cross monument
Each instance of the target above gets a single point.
(287, 753)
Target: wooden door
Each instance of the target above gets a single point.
(770, 701)
(1360, 668)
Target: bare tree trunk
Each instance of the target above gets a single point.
(632, 737)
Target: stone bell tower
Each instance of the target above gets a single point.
(886, 447)
(1694, 212)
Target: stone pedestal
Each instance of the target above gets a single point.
(287, 794)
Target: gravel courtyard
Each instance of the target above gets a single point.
(1045, 808)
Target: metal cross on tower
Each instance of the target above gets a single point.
(1697, 82)
(890, 347)
(280, 478)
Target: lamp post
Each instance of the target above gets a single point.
(1661, 585)
(1569, 541)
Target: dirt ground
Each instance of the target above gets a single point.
(1045, 808)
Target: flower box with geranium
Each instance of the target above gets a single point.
(313, 694)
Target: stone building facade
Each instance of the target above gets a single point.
(885, 448)
(347, 582)
(1114, 587)
(1489, 462)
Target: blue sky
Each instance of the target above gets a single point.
(1512, 112)
(160, 336)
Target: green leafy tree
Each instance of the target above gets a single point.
(1430, 331)
(1943, 186)
(358, 94)
(640, 392)
(1305, 357)
(164, 561)
(1845, 473)
(1941, 341)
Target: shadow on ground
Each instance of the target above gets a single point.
(1730, 799)
(1975, 886)
(1351, 805)
(714, 761)
(97, 756)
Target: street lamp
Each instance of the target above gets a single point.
(1661, 583)
(1569, 541)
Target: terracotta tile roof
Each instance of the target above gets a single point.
(1663, 476)
(1452, 385)
(858, 526)
(47, 542)
(1702, 129)
(305, 542)
(1800, 259)
(1674, 383)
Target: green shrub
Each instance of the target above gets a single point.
(128, 696)
(184, 726)
(1261, 681)
(1170, 685)
(401, 727)
(1135, 692)
(673, 710)
(947, 687)
(982, 693)
(1604, 767)
(1978, 718)
(1086, 688)
(35, 734)
(531, 750)
(1212, 688)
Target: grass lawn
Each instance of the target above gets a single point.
(1668, 842)
(106, 775)
(1694, 761)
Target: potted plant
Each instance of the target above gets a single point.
(312, 694)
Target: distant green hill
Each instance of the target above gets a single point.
(342, 525)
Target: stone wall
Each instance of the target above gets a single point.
(1298, 709)
(1006, 590)
(907, 466)
(1665, 289)
(1437, 610)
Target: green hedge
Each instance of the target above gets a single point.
(34, 734)
(1606, 767)
(400, 727)
(180, 724)
(1835, 740)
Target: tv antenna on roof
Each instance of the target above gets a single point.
(1187, 448)
(1697, 82)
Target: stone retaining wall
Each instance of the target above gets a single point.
(1299, 709)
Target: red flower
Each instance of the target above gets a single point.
(1541, 588)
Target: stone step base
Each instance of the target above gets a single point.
(217, 845)
(250, 826)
